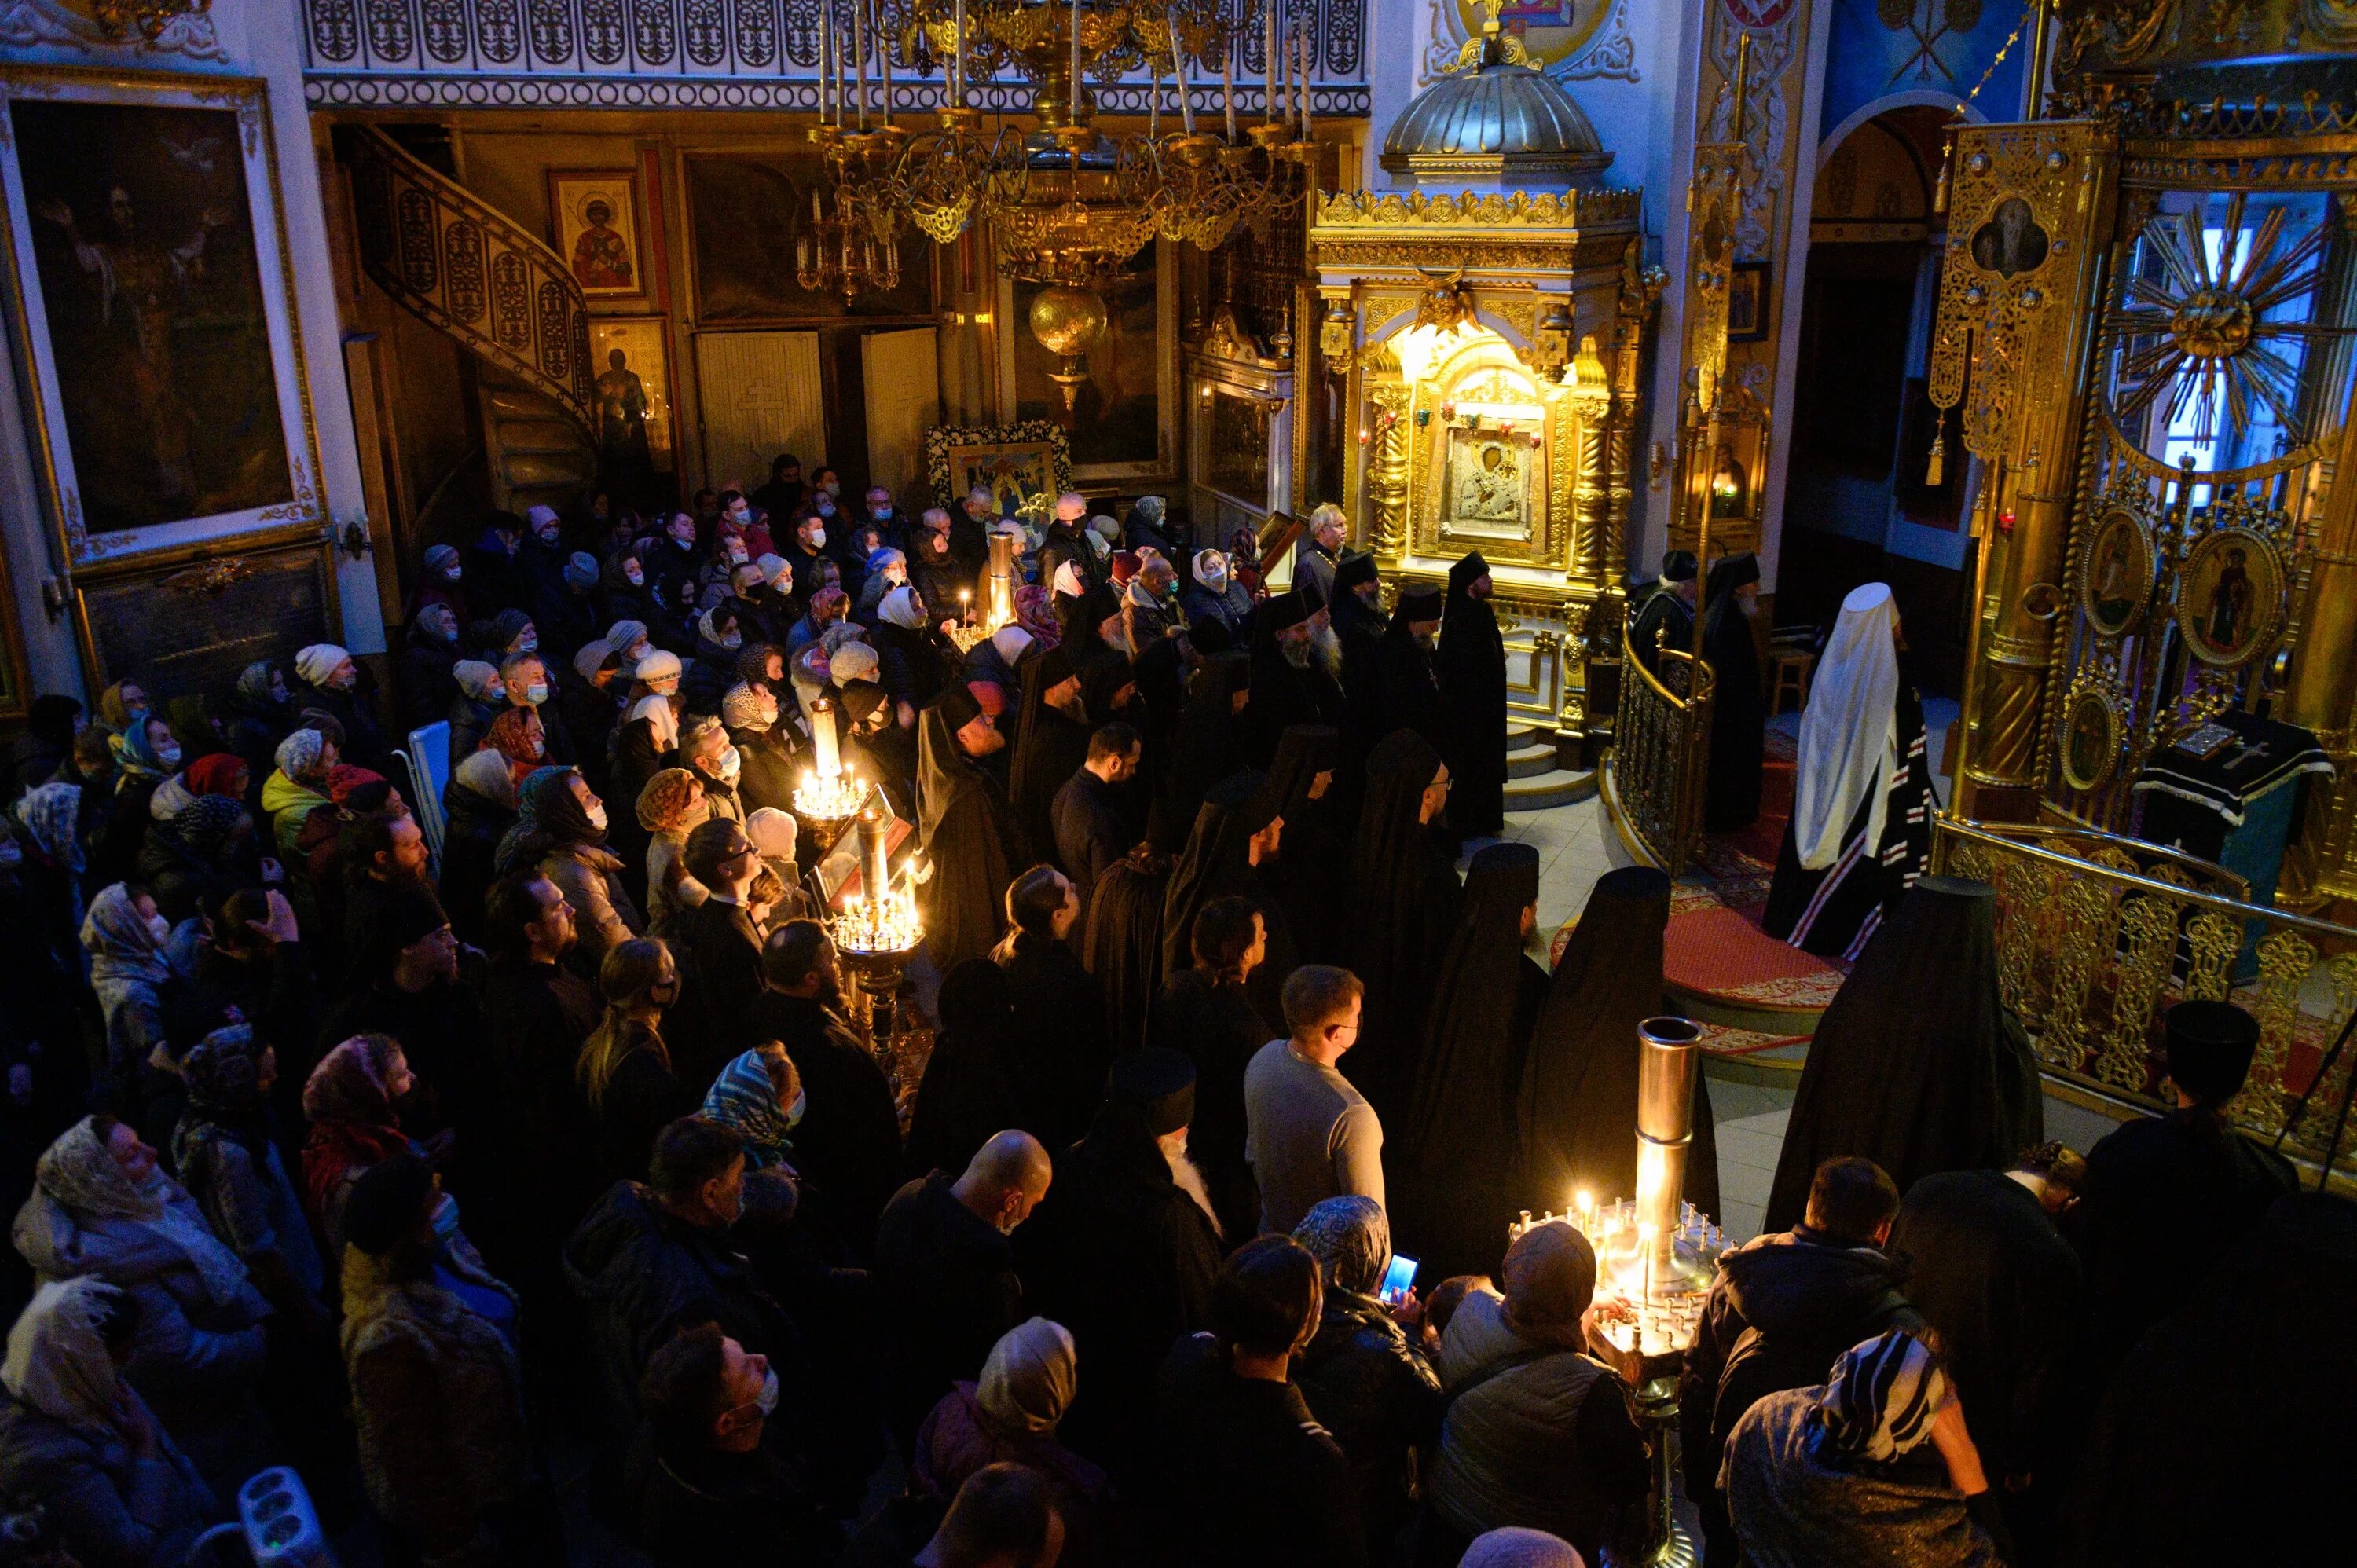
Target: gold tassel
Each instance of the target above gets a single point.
(1937, 468)
(1940, 186)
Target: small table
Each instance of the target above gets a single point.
(1788, 671)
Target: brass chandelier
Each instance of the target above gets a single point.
(1067, 204)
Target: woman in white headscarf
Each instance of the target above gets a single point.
(75, 1437)
(1860, 832)
(1011, 1414)
(125, 936)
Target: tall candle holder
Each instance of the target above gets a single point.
(876, 932)
(828, 795)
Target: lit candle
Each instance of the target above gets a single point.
(830, 759)
(1585, 1201)
(1646, 1233)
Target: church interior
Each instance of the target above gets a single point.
(1905, 448)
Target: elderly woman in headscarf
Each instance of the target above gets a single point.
(52, 869)
(478, 807)
(1010, 1415)
(349, 1103)
(230, 1163)
(759, 1096)
(481, 697)
(1216, 595)
(765, 776)
(74, 1434)
(205, 851)
(125, 935)
(561, 829)
(145, 755)
(102, 1206)
(121, 704)
(668, 808)
(1365, 1379)
(297, 786)
(906, 657)
(257, 715)
(1835, 1472)
(329, 679)
(648, 740)
(1035, 612)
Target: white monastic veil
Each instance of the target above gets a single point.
(1849, 731)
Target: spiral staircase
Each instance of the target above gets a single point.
(499, 292)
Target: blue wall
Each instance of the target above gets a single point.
(1928, 52)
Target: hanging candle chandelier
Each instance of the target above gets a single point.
(1067, 205)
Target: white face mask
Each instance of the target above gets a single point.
(528, 643)
(160, 928)
(536, 693)
(450, 573)
(496, 692)
(818, 539)
(597, 816)
(731, 763)
(733, 639)
(736, 551)
(536, 747)
(1216, 579)
(638, 578)
(833, 486)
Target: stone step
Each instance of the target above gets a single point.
(1519, 733)
(1544, 792)
(1530, 759)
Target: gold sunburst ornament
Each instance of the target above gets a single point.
(2211, 330)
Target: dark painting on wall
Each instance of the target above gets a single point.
(746, 216)
(142, 227)
(1117, 415)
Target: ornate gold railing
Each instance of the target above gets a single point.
(2098, 936)
(1660, 751)
(469, 270)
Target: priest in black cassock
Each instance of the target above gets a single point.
(1577, 1108)
(1290, 685)
(1665, 615)
(1919, 1065)
(1313, 861)
(1407, 688)
(1403, 909)
(1738, 713)
(1461, 1132)
(1471, 665)
(972, 839)
(1359, 620)
(1208, 743)
(1050, 739)
(1232, 854)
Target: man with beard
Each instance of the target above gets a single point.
(945, 1271)
(1665, 617)
(781, 496)
(1290, 686)
(1123, 1253)
(1471, 666)
(1062, 542)
(1051, 740)
(805, 552)
(1407, 687)
(847, 1144)
(1356, 611)
(971, 837)
(1314, 554)
(1091, 834)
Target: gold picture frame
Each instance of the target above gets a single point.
(596, 222)
(2118, 577)
(2230, 598)
(644, 343)
(163, 188)
(1017, 462)
(2093, 728)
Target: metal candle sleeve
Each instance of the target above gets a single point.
(999, 579)
(1665, 1087)
(875, 869)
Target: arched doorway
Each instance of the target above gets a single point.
(1856, 508)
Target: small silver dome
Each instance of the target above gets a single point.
(1502, 119)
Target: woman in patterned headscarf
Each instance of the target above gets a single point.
(668, 808)
(230, 1163)
(759, 1096)
(517, 735)
(1010, 1415)
(204, 850)
(1816, 1475)
(125, 935)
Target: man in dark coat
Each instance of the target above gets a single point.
(972, 838)
(1738, 713)
(1985, 1265)
(1122, 1254)
(709, 1478)
(1407, 688)
(847, 1144)
(1057, 1052)
(1782, 1309)
(1471, 666)
(1664, 616)
(945, 1271)
(1091, 832)
(719, 950)
(1358, 621)
(656, 1258)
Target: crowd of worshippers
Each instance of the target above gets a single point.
(553, 1188)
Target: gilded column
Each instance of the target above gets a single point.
(1387, 472)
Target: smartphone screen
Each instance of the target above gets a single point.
(1398, 1280)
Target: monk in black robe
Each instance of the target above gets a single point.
(1407, 688)
(1206, 1010)
(972, 839)
(1313, 859)
(1289, 685)
(1230, 853)
(1052, 738)
(1576, 1110)
(1207, 744)
(1402, 910)
(1124, 945)
(1665, 618)
(1359, 620)
(1461, 1132)
(967, 1093)
(1919, 1065)
(1738, 713)
(1471, 666)
(1120, 1255)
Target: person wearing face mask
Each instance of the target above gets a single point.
(571, 617)
(427, 654)
(739, 521)
(718, 637)
(711, 1480)
(482, 696)
(719, 943)
(331, 679)
(525, 676)
(807, 550)
(909, 652)
(436, 1383)
(766, 766)
(944, 1273)
(1216, 595)
(137, 984)
(146, 756)
(441, 581)
(541, 557)
(647, 742)
(675, 561)
(848, 1143)
(561, 827)
(970, 527)
(623, 595)
(882, 569)
(706, 751)
(121, 704)
(784, 494)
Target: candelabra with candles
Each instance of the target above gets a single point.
(829, 794)
(878, 931)
(1655, 1258)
